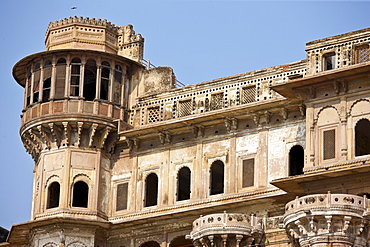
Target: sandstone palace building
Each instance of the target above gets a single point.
(126, 158)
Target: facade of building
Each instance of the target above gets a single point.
(274, 157)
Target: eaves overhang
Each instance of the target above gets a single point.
(289, 88)
(294, 184)
(19, 69)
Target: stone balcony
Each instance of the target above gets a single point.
(320, 219)
(226, 230)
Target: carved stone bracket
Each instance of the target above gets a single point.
(164, 137)
(256, 119)
(284, 113)
(267, 116)
(132, 143)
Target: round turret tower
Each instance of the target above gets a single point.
(75, 101)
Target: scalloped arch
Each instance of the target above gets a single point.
(50, 244)
(359, 119)
(83, 175)
(76, 244)
(356, 103)
(184, 166)
(51, 178)
(326, 107)
(331, 117)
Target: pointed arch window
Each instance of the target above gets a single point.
(362, 137)
(89, 91)
(296, 160)
(75, 77)
(151, 190)
(217, 178)
(183, 184)
(80, 194)
(53, 195)
(104, 80)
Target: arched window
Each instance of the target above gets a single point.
(183, 184)
(80, 194)
(150, 244)
(104, 80)
(217, 177)
(151, 190)
(60, 78)
(75, 77)
(53, 195)
(296, 160)
(362, 137)
(90, 80)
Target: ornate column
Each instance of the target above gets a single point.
(226, 230)
(327, 219)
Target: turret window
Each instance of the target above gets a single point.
(75, 77)
(60, 78)
(80, 194)
(151, 190)
(46, 90)
(28, 90)
(217, 178)
(117, 84)
(53, 195)
(90, 80)
(104, 80)
(36, 83)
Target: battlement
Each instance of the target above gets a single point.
(94, 34)
(82, 21)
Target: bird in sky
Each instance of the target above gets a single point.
(74, 7)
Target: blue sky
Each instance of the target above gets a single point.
(200, 40)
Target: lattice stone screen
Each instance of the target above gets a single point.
(329, 144)
(185, 108)
(363, 54)
(154, 114)
(248, 95)
(217, 101)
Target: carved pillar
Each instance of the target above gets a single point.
(343, 129)
(53, 81)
